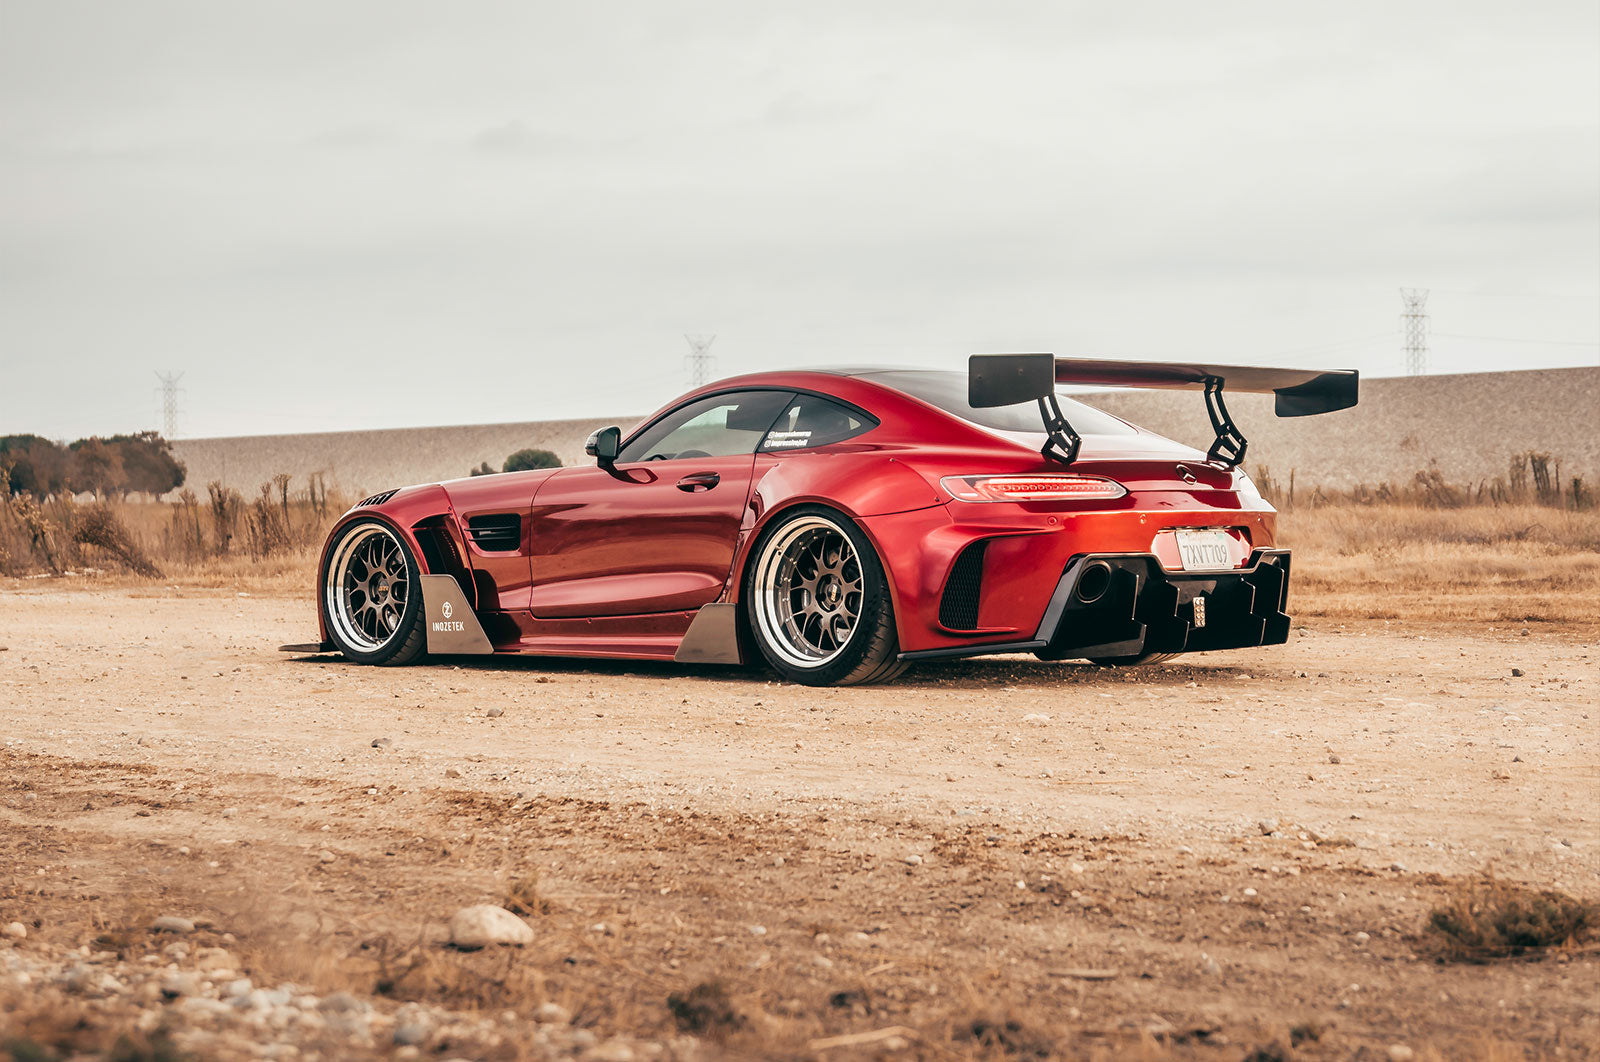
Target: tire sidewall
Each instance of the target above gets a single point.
(408, 618)
(875, 606)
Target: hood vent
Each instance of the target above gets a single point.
(496, 532)
(378, 499)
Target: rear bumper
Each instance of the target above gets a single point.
(1126, 604)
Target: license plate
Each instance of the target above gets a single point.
(1204, 550)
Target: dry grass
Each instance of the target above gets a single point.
(1400, 561)
(1491, 919)
(1494, 564)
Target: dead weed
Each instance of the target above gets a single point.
(1491, 919)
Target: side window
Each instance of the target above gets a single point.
(715, 426)
(812, 421)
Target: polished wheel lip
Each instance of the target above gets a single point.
(367, 588)
(808, 592)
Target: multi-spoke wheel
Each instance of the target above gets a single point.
(818, 602)
(370, 598)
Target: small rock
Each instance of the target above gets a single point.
(410, 1031)
(171, 924)
(174, 985)
(611, 1051)
(913, 861)
(16, 931)
(207, 959)
(1268, 826)
(1401, 867)
(326, 856)
(1401, 1053)
(485, 924)
(552, 1014)
(382, 743)
(1516, 672)
(758, 931)
(1210, 967)
(451, 772)
(494, 713)
(239, 987)
(1525, 632)
(342, 1003)
(229, 813)
(1362, 938)
(1334, 758)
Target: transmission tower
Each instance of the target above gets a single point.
(698, 361)
(1414, 325)
(169, 391)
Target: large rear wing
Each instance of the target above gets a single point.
(1008, 379)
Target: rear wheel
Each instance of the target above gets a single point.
(371, 597)
(818, 602)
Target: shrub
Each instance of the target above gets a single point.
(1492, 919)
(98, 526)
(524, 460)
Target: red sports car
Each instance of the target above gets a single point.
(840, 524)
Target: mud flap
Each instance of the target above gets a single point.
(453, 628)
(712, 637)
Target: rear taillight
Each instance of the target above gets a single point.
(1046, 487)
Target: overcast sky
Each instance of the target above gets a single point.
(369, 213)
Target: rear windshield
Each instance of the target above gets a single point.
(948, 391)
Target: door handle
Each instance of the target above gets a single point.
(699, 481)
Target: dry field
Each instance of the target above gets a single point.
(1234, 856)
(1468, 427)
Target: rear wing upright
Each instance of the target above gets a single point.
(1009, 379)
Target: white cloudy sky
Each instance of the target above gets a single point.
(363, 213)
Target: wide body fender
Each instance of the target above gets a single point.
(407, 512)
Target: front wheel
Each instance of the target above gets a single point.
(818, 601)
(371, 596)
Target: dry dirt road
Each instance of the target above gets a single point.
(1224, 858)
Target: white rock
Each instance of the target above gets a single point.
(552, 1014)
(16, 930)
(913, 860)
(1401, 1053)
(485, 924)
(171, 924)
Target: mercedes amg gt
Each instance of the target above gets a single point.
(839, 524)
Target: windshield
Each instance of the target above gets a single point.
(948, 391)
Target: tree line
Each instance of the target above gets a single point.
(118, 465)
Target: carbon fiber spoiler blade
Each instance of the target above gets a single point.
(1009, 379)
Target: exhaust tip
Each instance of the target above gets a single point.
(1094, 582)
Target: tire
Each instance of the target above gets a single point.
(370, 596)
(817, 602)
(1131, 661)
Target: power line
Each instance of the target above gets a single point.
(1508, 339)
(1389, 334)
(1414, 322)
(699, 361)
(169, 391)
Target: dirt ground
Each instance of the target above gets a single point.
(1228, 857)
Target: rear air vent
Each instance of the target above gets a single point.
(958, 608)
(379, 499)
(496, 531)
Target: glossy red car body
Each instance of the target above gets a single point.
(617, 562)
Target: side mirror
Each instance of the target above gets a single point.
(604, 446)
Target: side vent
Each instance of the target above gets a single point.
(378, 499)
(496, 532)
(958, 607)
